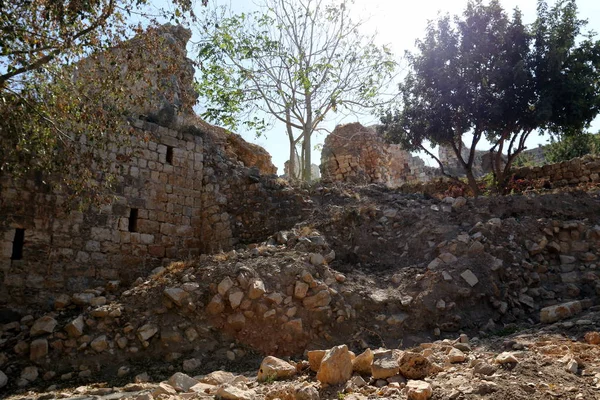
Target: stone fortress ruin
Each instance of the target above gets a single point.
(206, 260)
(190, 188)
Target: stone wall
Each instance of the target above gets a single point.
(357, 154)
(183, 188)
(179, 196)
(572, 172)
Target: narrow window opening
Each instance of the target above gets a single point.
(17, 250)
(133, 219)
(169, 155)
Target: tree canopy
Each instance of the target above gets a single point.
(297, 61)
(57, 113)
(485, 75)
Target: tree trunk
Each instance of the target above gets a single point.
(472, 182)
(307, 160)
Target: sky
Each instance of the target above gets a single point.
(398, 24)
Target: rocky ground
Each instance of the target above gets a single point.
(473, 298)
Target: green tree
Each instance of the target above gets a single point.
(568, 147)
(63, 95)
(295, 61)
(485, 75)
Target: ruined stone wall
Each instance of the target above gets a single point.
(179, 194)
(354, 153)
(151, 221)
(572, 172)
(185, 187)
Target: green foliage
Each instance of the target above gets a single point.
(568, 147)
(524, 160)
(298, 62)
(63, 98)
(487, 75)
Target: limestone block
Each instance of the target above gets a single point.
(336, 366)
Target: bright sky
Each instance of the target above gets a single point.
(398, 24)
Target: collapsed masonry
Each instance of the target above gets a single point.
(354, 153)
(357, 154)
(186, 188)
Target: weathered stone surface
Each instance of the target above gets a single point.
(314, 359)
(307, 393)
(177, 295)
(164, 389)
(99, 344)
(30, 373)
(38, 349)
(146, 332)
(300, 290)
(3, 379)
(560, 311)
(321, 299)
(592, 337)
(256, 290)
(418, 390)
(469, 277)
(231, 392)
(506, 357)
(483, 368)
(216, 305)
(363, 362)
(235, 298)
(385, 364)
(224, 286)
(182, 382)
(336, 366)
(414, 365)
(217, 378)
(203, 388)
(456, 356)
(275, 368)
(43, 325)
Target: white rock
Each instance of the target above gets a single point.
(506, 357)
(418, 390)
(275, 368)
(182, 382)
(470, 277)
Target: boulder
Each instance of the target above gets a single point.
(385, 364)
(38, 349)
(321, 299)
(177, 296)
(275, 368)
(314, 359)
(99, 344)
(505, 358)
(146, 332)
(560, 311)
(43, 326)
(456, 356)
(217, 378)
(363, 362)
(592, 337)
(336, 366)
(182, 382)
(3, 379)
(256, 290)
(418, 390)
(231, 392)
(414, 365)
